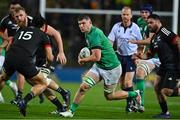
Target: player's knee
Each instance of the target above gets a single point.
(140, 73)
(83, 88)
(166, 91)
(156, 86)
(142, 70)
(175, 92)
(108, 95)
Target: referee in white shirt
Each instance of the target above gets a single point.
(121, 33)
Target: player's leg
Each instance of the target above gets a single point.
(128, 67)
(65, 93)
(13, 86)
(161, 98)
(170, 84)
(144, 67)
(169, 88)
(1, 64)
(111, 78)
(90, 79)
(54, 100)
(54, 86)
(9, 83)
(3, 78)
(20, 85)
(39, 84)
(128, 87)
(110, 94)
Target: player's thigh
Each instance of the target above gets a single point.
(40, 79)
(170, 80)
(91, 77)
(111, 78)
(145, 67)
(128, 78)
(29, 71)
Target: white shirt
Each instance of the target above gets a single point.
(121, 34)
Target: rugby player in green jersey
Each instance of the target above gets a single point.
(106, 68)
(144, 67)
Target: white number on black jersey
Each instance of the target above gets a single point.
(25, 35)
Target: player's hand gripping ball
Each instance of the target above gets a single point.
(85, 52)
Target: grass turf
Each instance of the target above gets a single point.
(94, 106)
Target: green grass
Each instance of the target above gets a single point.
(94, 106)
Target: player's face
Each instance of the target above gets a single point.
(20, 18)
(153, 25)
(144, 14)
(126, 15)
(85, 25)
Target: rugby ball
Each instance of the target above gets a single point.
(85, 52)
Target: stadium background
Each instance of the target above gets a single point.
(67, 23)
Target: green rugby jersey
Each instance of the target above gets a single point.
(96, 39)
(3, 50)
(143, 27)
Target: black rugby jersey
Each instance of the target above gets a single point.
(162, 44)
(28, 40)
(8, 23)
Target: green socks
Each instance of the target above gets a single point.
(131, 94)
(73, 107)
(141, 86)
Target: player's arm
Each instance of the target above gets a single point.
(49, 55)
(94, 57)
(3, 36)
(176, 41)
(145, 56)
(57, 36)
(4, 44)
(142, 42)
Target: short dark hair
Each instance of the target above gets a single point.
(154, 16)
(82, 16)
(147, 7)
(14, 2)
(38, 21)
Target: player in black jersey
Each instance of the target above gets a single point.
(8, 23)
(20, 57)
(167, 45)
(22, 21)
